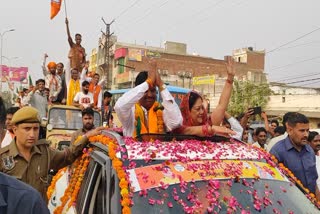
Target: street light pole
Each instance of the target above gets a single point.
(1, 35)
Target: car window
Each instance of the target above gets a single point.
(71, 119)
(97, 196)
(87, 186)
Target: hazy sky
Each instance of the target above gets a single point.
(210, 28)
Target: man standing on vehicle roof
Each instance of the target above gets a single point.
(295, 152)
(87, 121)
(28, 159)
(138, 110)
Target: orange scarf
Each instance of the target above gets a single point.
(155, 120)
(95, 90)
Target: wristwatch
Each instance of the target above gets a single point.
(163, 87)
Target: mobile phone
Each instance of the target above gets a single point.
(257, 110)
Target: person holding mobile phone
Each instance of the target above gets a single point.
(270, 128)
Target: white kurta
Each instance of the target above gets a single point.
(125, 109)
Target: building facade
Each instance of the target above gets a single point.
(177, 67)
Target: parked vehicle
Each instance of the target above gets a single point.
(177, 175)
(62, 121)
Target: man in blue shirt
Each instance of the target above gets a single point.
(18, 197)
(295, 152)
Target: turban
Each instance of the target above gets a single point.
(52, 65)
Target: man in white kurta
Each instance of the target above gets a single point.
(144, 94)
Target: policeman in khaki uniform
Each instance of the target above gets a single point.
(29, 159)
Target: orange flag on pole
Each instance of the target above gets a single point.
(55, 8)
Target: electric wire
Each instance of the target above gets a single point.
(287, 43)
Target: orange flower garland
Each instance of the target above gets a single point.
(160, 121)
(79, 169)
(296, 181)
(117, 164)
(54, 181)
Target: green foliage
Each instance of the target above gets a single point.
(246, 94)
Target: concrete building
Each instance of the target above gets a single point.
(297, 99)
(177, 67)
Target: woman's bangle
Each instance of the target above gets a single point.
(205, 131)
(150, 83)
(211, 132)
(229, 81)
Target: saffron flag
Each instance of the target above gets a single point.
(55, 8)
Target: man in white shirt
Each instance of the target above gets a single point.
(84, 99)
(261, 136)
(136, 108)
(9, 132)
(233, 125)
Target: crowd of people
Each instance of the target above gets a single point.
(29, 159)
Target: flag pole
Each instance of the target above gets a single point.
(65, 8)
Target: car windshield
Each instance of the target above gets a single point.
(244, 196)
(61, 118)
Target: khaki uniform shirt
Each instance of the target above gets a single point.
(43, 158)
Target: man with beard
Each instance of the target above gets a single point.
(9, 133)
(295, 152)
(53, 82)
(62, 96)
(87, 121)
(83, 99)
(138, 110)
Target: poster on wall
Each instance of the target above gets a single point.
(135, 54)
(14, 74)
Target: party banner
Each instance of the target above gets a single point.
(153, 176)
(14, 74)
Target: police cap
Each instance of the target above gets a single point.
(26, 115)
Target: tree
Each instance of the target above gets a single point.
(246, 94)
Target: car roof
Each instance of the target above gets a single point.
(191, 149)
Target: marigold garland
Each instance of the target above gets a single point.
(54, 181)
(296, 181)
(79, 169)
(117, 164)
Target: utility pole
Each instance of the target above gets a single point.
(106, 70)
(107, 47)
